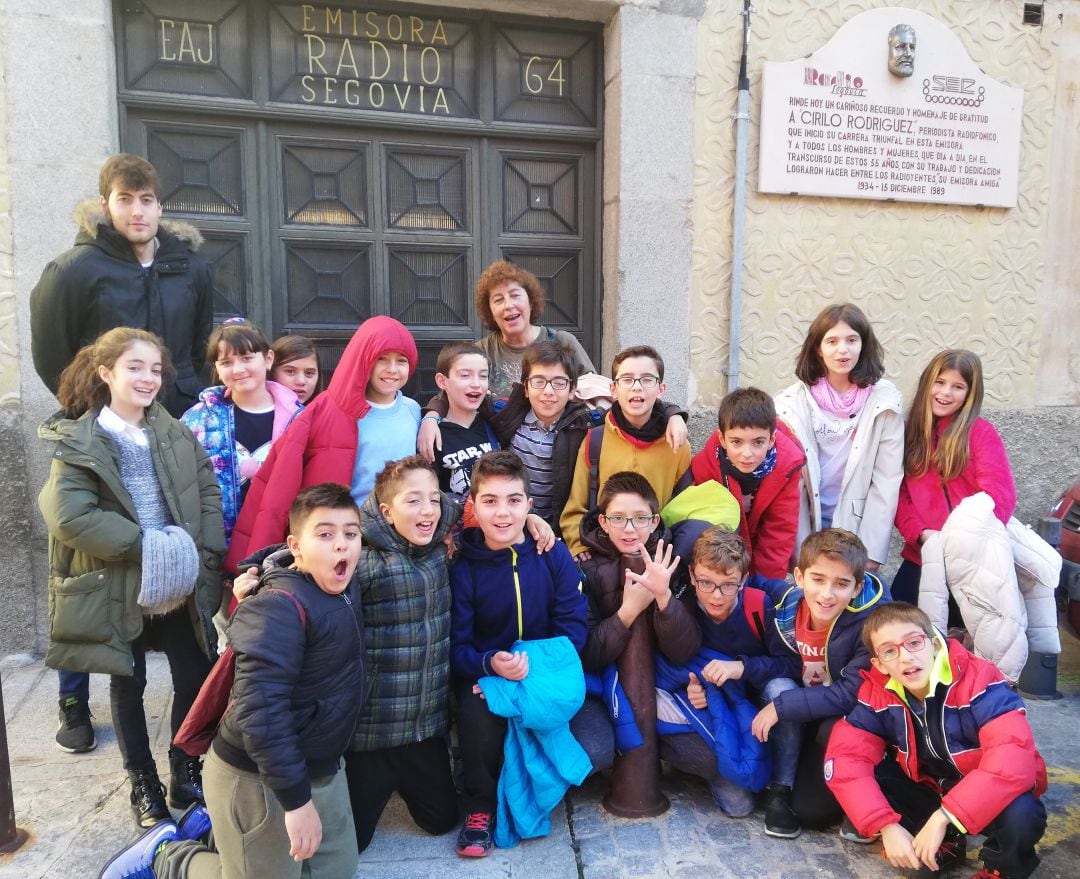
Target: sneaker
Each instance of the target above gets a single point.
(75, 734)
(780, 819)
(194, 823)
(848, 832)
(951, 852)
(987, 874)
(185, 783)
(148, 798)
(137, 860)
(475, 839)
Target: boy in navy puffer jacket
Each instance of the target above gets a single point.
(504, 591)
(737, 618)
(273, 790)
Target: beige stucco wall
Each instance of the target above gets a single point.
(928, 276)
(9, 357)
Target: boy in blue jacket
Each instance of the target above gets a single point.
(503, 591)
(737, 617)
(820, 621)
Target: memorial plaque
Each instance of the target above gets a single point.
(892, 107)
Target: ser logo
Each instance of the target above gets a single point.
(955, 84)
(956, 90)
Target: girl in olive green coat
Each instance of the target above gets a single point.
(135, 539)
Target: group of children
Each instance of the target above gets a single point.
(382, 610)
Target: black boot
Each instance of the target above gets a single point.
(147, 798)
(185, 785)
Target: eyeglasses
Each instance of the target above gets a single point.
(708, 587)
(538, 383)
(646, 381)
(637, 522)
(912, 645)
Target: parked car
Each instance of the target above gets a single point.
(1067, 509)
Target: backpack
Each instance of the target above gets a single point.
(213, 702)
(754, 608)
(594, 442)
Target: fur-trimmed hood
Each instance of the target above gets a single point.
(90, 217)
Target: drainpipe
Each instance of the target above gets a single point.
(742, 130)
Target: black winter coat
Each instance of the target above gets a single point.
(298, 689)
(99, 284)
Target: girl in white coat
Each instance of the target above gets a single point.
(850, 422)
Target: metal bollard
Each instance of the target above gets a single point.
(11, 837)
(634, 791)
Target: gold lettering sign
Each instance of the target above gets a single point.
(374, 60)
(186, 42)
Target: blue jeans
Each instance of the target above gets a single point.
(785, 738)
(74, 683)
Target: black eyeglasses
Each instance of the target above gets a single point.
(646, 381)
(708, 587)
(538, 383)
(636, 522)
(912, 645)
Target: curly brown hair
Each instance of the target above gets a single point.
(499, 272)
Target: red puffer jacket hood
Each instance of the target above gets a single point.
(376, 336)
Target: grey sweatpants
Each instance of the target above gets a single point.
(249, 838)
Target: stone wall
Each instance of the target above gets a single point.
(1003, 283)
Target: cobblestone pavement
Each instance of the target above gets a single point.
(75, 808)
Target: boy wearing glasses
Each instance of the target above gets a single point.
(632, 438)
(545, 425)
(736, 617)
(965, 758)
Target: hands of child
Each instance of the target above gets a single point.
(658, 570)
(451, 546)
(428, 439)
(720, 670)
(676, 432)
(305, 831)
(898, 848)
(541, 532)
(695, 692)
(245, 583)
(928, 840)
(765, 720)
(583, 556)
(635, 598)
(512, 666)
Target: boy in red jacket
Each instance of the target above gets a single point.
(965, 759)
(760, 466)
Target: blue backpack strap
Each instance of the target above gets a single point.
(593, 445)
(754, 608)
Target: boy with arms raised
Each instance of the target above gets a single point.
(760, 465)
(273, 790)
(961, 755)
(503, 592)
(737, 617)
(820, 622)
(631, 438)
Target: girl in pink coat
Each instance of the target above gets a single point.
(950, 453)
